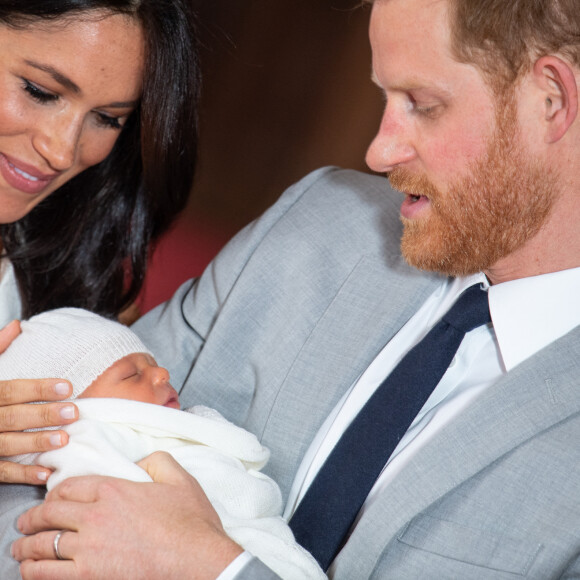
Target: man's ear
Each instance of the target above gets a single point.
(556, 80)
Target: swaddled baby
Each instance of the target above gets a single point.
(128, 409)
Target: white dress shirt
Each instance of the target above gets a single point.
(10, 306)
(527, 315)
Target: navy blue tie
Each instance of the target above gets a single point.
(332, 502)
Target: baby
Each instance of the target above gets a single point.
(128, 409)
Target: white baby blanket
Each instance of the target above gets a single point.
(112, 434)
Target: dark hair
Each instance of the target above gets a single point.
(87, 244)
(504, 38)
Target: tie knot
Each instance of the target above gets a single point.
(470, 311)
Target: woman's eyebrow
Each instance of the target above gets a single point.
(72, 86)
(56, 75)
(123, 105)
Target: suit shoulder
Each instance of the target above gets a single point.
(346, 209)
(330, 185)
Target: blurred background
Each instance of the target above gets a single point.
(286, 90)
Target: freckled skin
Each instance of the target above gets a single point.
(49, 128)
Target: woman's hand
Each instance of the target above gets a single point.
(16, 415)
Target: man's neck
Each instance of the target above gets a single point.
(562, 252)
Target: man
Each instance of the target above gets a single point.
(298, 321)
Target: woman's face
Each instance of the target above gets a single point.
(66, 89)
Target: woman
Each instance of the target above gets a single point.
(97, 151)
(87, 244)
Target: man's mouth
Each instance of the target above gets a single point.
(416, 197)
(413, 205)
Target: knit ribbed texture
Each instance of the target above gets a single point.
(68, 343)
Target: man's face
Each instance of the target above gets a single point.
(473, 194)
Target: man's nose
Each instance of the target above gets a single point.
(390, 147)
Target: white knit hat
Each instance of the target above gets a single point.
(68, 343)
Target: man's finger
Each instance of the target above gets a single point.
(17, 391)
(41, 546)
(8, 334)
(61, 515)
(37, 547)
(162, 468)
(49, 570)
(29, 474)
(83, 489)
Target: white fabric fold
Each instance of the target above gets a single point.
(112, 434)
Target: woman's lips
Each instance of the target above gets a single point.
(23, 176)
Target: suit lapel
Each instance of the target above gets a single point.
(357, 324)
(539, 393)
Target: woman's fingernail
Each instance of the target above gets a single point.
(42, 475)
(61, 388)
(67, 412)
(55, 441)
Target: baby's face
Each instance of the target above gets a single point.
(135, 377)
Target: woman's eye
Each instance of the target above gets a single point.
(43, 97)
(38, 94)
(109, 122)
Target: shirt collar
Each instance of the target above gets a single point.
(531, 313)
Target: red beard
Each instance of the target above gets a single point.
(500, 204)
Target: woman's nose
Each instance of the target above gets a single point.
(57, 142)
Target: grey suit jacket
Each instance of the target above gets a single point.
(289, 315)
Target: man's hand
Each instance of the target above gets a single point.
(123, 530)
(15, 416)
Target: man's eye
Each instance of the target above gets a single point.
(428, 110)
(424, 110)
(38, 94)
